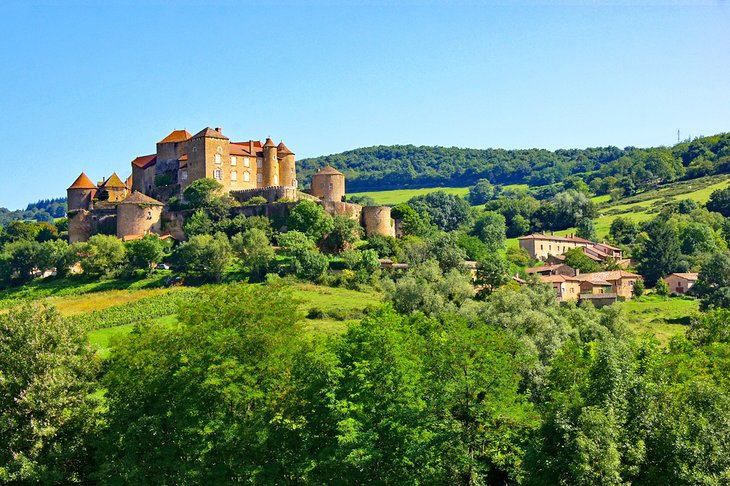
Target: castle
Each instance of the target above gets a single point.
(248, 169)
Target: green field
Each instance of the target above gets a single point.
(664, 317)
(398, 196)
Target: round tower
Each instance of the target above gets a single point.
(377, 220)
(287, 168)
(271, 165)
(80, 194)
(138, 214)
(328, 184)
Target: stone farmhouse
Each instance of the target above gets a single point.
(552, 248)
(601, 288)
(680, 283)
(247, 169)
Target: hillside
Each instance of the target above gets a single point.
(408, 166)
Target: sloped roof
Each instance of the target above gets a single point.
(144, 161)
(176, 136)
(329, 170)
(269, 143)
(546, 268)
(282, 149)
(610, 247)
(138, 198)
(687, 276)
(82, 182)
(208, 132)
(541, 236)
(113, 181)
(555, 278)
(607, 276)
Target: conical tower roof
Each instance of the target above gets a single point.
(82, 182)
(282, 149)
(138, 198)
(113, 181)
(269, 142)
(329, 170)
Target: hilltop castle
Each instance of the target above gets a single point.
(136, 206)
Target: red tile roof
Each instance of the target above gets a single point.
(541, 236)
(607, 276)
(208, 132)
(145, 161)
(176, 136)
(687, 276)
(329, 170)
(269, 143)
(82, 182)
(282, 149)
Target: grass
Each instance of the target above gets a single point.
(102, 340)
(663, 317)
(81, 304)
(398, 196)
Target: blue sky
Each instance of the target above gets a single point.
(90, 85)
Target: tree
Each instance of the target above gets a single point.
(623, 230)
(23, 258)
(481, 192)
(345, 232)
(719, 202)
(444, 247)
(570, 207)
(411, 222)
(586, 229)
(661, 287)
(199, 223)
(577, 258)
(697, 238)
(310, 218)
(47, 406)
(659, 254)
(102, 255)
(306, 261)
(491, 228)
(447, 211)
(365, 264)
(255, 251)
(203, 193)
(639, 288)
(145, 253)
(519, 226)
(204, 255)
(218, 385)
(713, 281)
(492, 272)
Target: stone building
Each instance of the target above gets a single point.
(182, 158)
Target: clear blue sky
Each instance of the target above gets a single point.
(89, 86)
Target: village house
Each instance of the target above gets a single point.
(680, 283)
(601, 288)
(541, 246)
(557, 269)
(566, 288)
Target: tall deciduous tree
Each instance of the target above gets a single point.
(660, 252)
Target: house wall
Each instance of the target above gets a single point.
(678, 284)
(542, 248)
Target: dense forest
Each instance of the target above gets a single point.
(44, 210)
(404, 166)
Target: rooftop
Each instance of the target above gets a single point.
(542, 236)
(176, 136)
(82, 182)
(144, 161)
(329, 170)
(113, 181)
(208, 132)
(138, 198)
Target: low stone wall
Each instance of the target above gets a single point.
(336, 208)
(271, 194)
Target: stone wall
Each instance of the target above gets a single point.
(337, 208)
(136, 219)
(272, 194)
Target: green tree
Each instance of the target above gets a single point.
(345, 231)
(639, 288)
(492, 272)
(204, 255)
(310, 218)
(570, 207)
(102, 255)
(659, 254)
(697, 238)
(255, 251)
(577, 258)
(713, 281)
(623, 230)
(411, 222)
(447, 211)
(203, 193)
(661, 287)
(145, 253)
(481, 192)
(47, 407)
(586, 229)
(719, 202)
(199, 223)
(491, 228)
(218, 385)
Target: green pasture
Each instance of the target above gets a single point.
(398, 196)
(663, 317)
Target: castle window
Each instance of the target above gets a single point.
(259, 162)
(217, 158)
(234, 175)
(149, 214)
(331, 186)
(218, 174)
(246, 176)
(233, 160)
(184, 175)
(246, 162)
(276, 179)
(259, 178)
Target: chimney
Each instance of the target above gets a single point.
(218, 129)
(250, 146)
